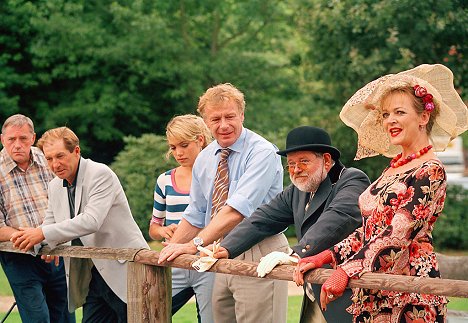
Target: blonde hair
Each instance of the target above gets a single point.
(18, 120)
(187, 127)
(417, 103)
(221, 93)
(70, 140)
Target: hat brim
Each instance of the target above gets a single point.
(362, 111)
(335, 153)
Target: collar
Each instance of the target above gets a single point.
(336, 171)
(237, 146)
(65, 183)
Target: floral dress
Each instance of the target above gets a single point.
(399, 212)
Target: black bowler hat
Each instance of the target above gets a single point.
(310, 139)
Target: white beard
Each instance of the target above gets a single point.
(313, 180)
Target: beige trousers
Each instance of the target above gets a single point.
(252, 300)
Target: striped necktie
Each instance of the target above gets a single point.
(221, 183)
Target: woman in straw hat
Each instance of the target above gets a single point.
(406, 116)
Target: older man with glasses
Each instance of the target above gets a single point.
(321, 202)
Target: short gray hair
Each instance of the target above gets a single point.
(18, 120)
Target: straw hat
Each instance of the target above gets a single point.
(362, 112)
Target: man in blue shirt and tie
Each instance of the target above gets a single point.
(255, 177)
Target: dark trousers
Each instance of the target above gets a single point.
(181, 298)
(336, 310)
(102, 305)
(40, 289)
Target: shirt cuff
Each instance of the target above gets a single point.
(241, 204)
(157, 221)
(196, 219)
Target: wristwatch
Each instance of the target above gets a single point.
(198, 242)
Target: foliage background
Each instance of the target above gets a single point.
(115, 71)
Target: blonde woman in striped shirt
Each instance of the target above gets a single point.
(186, 135)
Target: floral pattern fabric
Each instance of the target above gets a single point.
(399, 212)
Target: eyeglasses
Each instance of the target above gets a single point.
(302, 165)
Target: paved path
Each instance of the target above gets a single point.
(5, 303)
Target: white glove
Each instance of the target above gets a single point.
(272, 260)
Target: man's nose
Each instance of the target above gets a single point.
(297, 169)
(17, 143)
(54, 164)
(224, 123)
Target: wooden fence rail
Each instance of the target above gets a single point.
(149, 283)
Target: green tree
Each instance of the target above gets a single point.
(353, 42)
(108, 69)
(450, 228)
(16, 76)
(138, 166)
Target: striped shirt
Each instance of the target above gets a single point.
(169, 201)
(23, 194)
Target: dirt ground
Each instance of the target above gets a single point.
(5, 303)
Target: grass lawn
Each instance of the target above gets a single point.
(5, 289)
(14, 317)
(188, 313)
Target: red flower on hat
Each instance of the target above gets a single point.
(427, 98)
(429, 106)
(419, 91)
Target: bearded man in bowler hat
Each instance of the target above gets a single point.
(321, 202)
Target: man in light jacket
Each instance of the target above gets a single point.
(88, 207)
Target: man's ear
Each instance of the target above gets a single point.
(328, 161)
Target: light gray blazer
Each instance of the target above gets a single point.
(102, 219)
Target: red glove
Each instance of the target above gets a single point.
(334, 287)
(312, 262)
(323, 258)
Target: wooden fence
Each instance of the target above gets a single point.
(150, 283)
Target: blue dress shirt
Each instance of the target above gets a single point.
(255, 177)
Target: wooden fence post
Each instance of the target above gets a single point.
(148, 293)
